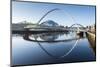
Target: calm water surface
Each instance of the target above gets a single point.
(48, 48)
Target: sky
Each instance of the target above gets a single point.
(67, 15)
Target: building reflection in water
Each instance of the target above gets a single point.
(51, 38)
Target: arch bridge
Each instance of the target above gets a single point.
(71, 28)
(78, 27)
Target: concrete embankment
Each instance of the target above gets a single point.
(92, 39)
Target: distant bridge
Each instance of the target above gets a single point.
(78, 28)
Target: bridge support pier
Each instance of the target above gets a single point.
(80, 34)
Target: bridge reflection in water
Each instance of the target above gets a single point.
(50, 48)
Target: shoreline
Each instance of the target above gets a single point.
(92, 40)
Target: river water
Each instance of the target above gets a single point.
(50, 48)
